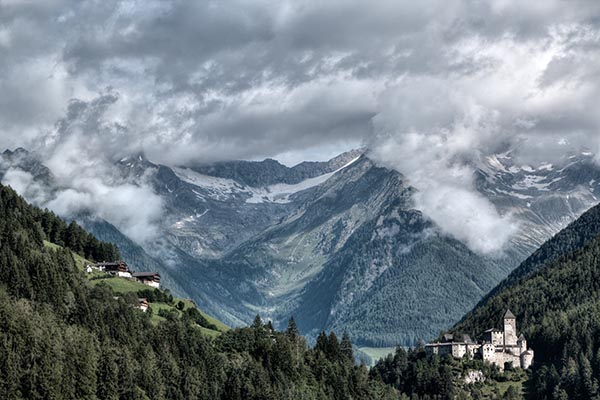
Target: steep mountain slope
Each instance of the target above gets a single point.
(341, 249)
(356, 250)
(561, 254)
(62, 337)
(544, 199)
(555, 295)
(334, 250)
(339, 244)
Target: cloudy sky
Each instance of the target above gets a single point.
(426, 85)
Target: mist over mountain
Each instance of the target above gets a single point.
(340, 245)
(375, 170)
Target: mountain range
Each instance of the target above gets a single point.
(340, 245)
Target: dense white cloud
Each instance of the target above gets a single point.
(202, 81)
(526, 94)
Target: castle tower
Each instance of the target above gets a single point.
(527, 359)
(522, 343)
(510, 329)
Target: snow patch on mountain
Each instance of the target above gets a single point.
(223, 189)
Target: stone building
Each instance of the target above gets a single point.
(501, 348)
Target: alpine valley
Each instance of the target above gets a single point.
(339, 245)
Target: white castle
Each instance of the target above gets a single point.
(498, 347)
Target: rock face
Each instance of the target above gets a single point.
(473, 377)
(339, 244)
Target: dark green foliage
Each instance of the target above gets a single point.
(156, 295)
(72, 236)
(346, 347)
(556, 297)
(193, 315)
(292, 329)
(417, 375)
(62, 338)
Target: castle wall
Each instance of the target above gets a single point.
(473, 349)
(527, 359)
(458, 350)
(522, 343)
(439, 349)
(488, 352)
(497, 338)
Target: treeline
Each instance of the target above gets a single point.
(62, 338)
(557, 305)
(75, 238)
(417, 375)
(45, 225)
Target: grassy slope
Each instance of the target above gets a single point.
(122, 285)
(493, 389)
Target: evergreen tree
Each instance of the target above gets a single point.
(292, 329)
(346, 348)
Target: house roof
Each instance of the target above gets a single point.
(493, 330)
(509, 315)
(104, 264)
(467, 339)
(448, 337)
(522, 337)
(145, 274)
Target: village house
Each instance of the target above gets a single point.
(501, 348)
(89, 268)
(117, 268)
(148, 278)
(142, 304)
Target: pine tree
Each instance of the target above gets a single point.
(322, 343)
(333, 347)
(346, 348)
(292, 329)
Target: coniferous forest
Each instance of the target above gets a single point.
(61, 338)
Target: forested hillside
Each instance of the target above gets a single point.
(63, 338)
(555, 295)
(421, 377)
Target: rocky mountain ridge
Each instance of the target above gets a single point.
(340, 244)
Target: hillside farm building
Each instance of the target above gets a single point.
(118, 268)
(148, 278)
(143, 304)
